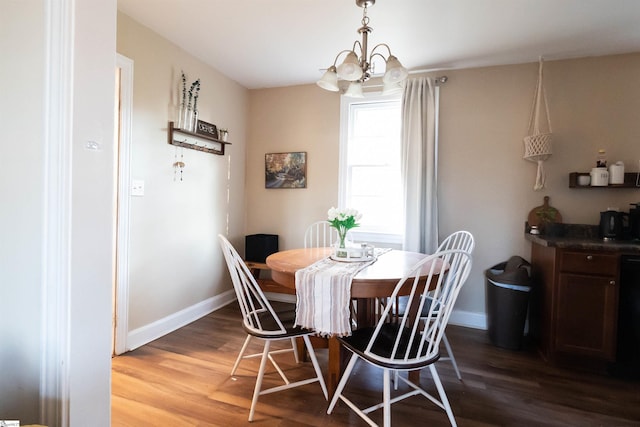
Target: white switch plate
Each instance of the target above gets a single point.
(137, 187)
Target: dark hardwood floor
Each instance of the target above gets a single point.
(183, 379)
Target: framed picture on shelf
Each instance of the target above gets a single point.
(285, 170)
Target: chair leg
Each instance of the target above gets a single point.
(242, 350)
(386, 399)
(256, 391)
(443, 395)
(316, 365)
(342, 383)
(294, 344)
(451, 357)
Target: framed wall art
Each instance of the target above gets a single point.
(285, 170)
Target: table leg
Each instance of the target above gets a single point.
(335, 365)
(366, 312)
(302, 350)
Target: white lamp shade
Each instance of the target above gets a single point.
(355, 90)
(395, 72)
(329, 80)
(350, 69)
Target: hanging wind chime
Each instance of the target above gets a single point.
(178, 166)
(537, 145)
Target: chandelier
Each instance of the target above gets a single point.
(358, 68)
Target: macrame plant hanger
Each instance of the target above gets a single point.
(537, 146)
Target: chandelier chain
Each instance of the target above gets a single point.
(365, 18)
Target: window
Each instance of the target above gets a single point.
(370, 166)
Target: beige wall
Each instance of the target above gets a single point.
(175, 260)
(297, 118)
(485, 186)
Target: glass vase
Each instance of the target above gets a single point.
(188, 120)
(194, 121)
(341, 245)
(180, 117)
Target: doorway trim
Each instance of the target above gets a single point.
(55, 359)
(121, 293)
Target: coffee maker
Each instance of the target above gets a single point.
(614, 225)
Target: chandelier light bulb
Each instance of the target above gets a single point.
(395, 71)
(350, 69)
(329, 80)
(355, 90)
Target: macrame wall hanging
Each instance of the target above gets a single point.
(537, 145)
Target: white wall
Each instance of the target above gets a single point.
(69, 337)
(93, 204)
(21, 190)
(63, 322)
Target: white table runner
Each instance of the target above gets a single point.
(323, 293)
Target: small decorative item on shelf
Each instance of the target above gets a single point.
(584, 180)
(208, 129)
(188, 111)
(192, 108)
(183, 103)
(343, 220)
(194, 118)
(224, 134)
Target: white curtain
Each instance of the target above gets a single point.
(419, 164)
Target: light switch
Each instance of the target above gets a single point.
(137, 187)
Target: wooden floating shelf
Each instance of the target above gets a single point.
(195, 141)
(630, 179)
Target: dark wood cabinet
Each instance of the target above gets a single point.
(586, 316)
(576, 302)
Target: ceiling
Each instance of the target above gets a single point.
(272, 43)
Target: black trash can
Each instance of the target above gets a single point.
(508, 292)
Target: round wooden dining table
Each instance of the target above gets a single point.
(377, 280)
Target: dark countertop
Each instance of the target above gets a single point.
(585, 243)
(580, 237)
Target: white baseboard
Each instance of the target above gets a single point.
(469, 319)
(145, 334)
